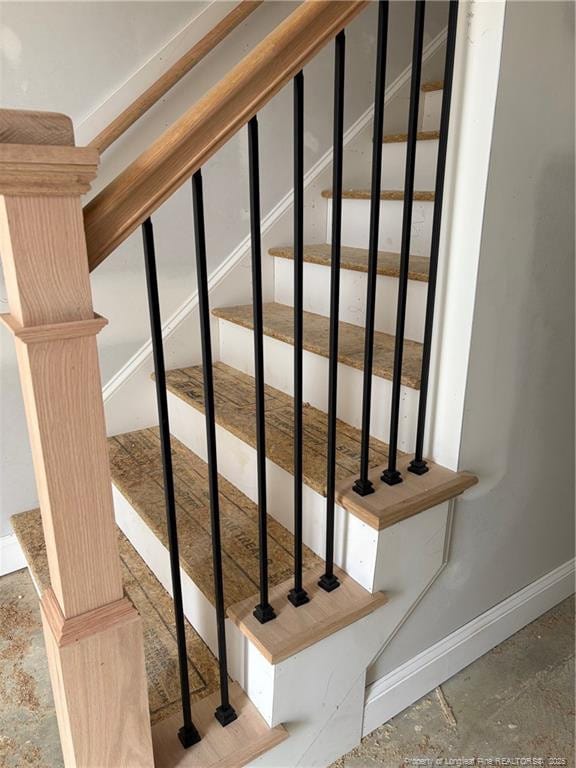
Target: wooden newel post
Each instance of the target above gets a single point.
(93, 633)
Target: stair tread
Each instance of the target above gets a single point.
(356, 259)
(137, 473)
(235, 405)
(399, 138)
(237, 745)
(155, 607)
(433, 85)
(420, 196)
(279, 324)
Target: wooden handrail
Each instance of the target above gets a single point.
(181, 150)
(173, 76)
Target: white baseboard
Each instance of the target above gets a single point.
(11, 555)
(420, 675)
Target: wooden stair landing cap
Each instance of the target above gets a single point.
(295, 629)
(237, 745)
(390, 504)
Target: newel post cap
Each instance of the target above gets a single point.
(38, 157)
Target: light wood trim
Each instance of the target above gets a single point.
(385, 194)
(25, 127)
(390, 504)
(29, 170)
(67, 631)
(176, 72)
(293, 630)
(237, 745)
(184, 148)
(400, 138)
(93, 634)
(98, 679)
(53, 331)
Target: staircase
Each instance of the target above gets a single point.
(298, 691)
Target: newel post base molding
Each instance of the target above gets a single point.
(93, 633)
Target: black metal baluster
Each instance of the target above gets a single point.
(329, 580)
(187, 734)
(298, 595)
(224, 713)
(418, 465)
(363, 486)
(263, 611)
(391, 474)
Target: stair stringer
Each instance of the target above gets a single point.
(319, 693)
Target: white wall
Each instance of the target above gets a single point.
(94, 50)
(518, 431)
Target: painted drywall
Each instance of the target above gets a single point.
(518, 429)
(118, 285)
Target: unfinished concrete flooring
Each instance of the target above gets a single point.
(517, 701)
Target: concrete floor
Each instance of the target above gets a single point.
(515, 702)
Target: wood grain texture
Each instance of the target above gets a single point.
(235, 407)
(36, 334)
(433, 85)
(356, 259)
(156, 609)
(19, 126)
(184, 148)
(99, 682)
(44, 258)
(173, 75)
(385, 194)
(295, 629)
(137, 473)
(398, 138)
(279, 324)
(239, 744)
(66, 425)
(45, 170)
(392, 503)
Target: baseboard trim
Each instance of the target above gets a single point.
(11, 555)
(420, 675)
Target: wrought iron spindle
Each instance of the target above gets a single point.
(298, 595)
(224, 713)
(418, 464)
(263, 611)
(391, 474)
(329, 580)
(363, 486)
(187, 734)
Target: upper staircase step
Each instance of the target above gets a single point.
(279, 324)
(235, 402)
(155, 607)
(398, 138)
(137, 473)
(385, 194)
(433, 85)
(356, 259)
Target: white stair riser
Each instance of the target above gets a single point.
(236, 345)
(197, 608)
(356, 543)
(394, 165)
(353, 296)
(356, 225)
(431, 107)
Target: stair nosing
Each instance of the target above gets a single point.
(411, 383)
(402, 138)
(394, 195)
(287, 252)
